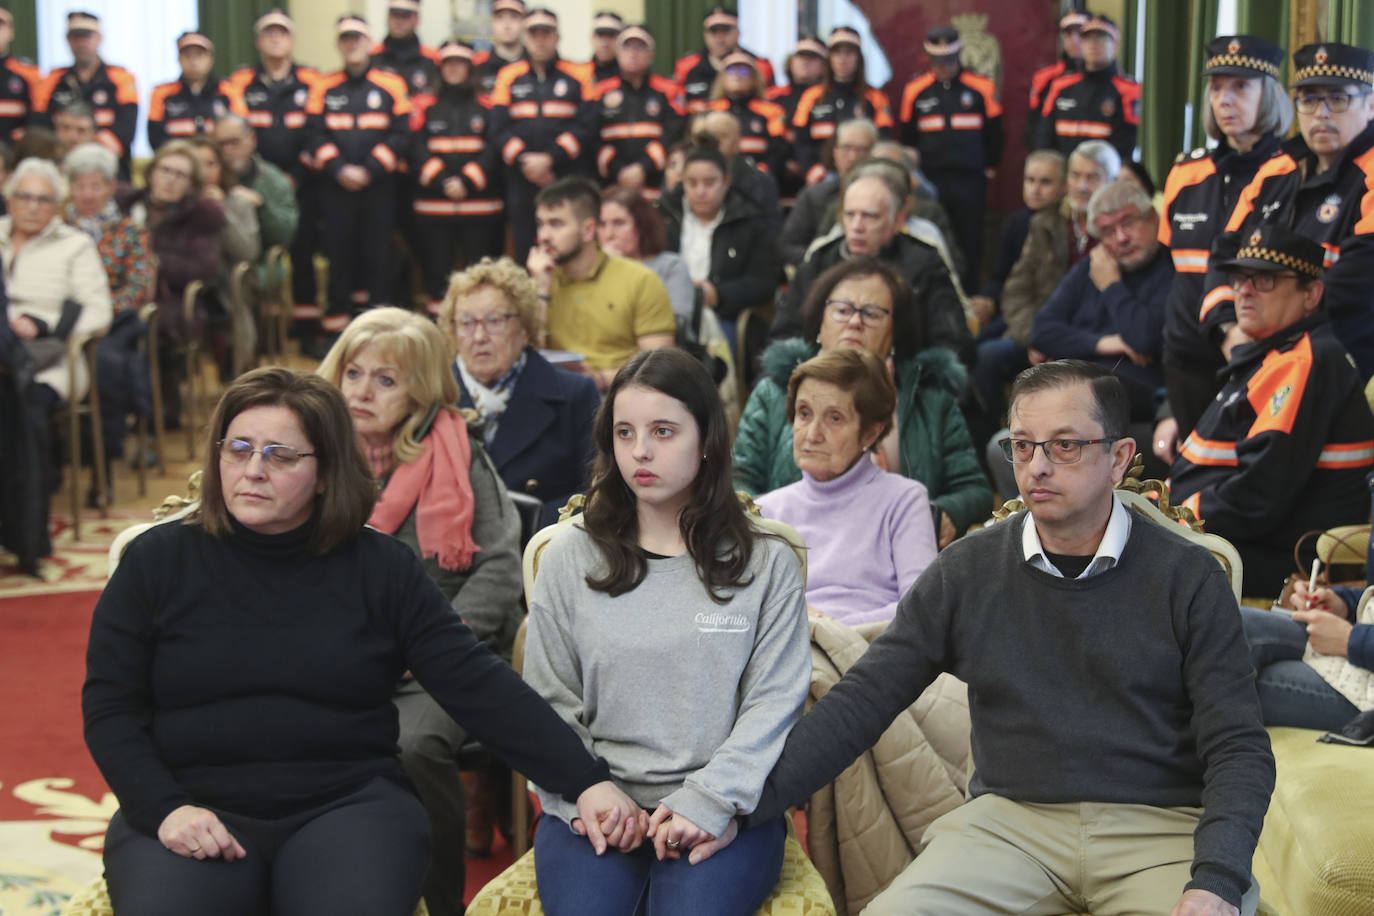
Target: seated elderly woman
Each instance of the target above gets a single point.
(442, 497)
(863, 303)
(868, 533)
(53, 276)
(536, 419)
(240, 675)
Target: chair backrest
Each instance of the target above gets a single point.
(528, 508)
(172, 509)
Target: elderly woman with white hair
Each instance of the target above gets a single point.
(53, 276)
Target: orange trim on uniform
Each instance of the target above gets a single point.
(1276, 390)
(962, 121)
(325, 153)
(671, 91)
(521, 110)
(1333, 254)
(656, 153)
(1130, 98)
(1058, 85)
(823, 130)
(815, 173)
(338, 120)
(1194, 503)
(458, 207)
(560, 109)
(455, 144)
(1217, 453)
(126, 88)
(1183, 175)
(1216, 297)
(500, 92)
(913, 89)
(385, 156)
(569, 144)
(292, 119)
(603, 161)
(512, 150)
(430, 170)
(374, 120)
(1281, 164)
(260, 119)
(684, 66)
(157, 102)
(395, 87)
(108, 139)
(12, 108)
(805, 104)
(180, 127)
(475, 174)
(650, 130)
(984, 87)
(882, 110)
(1190, 260)
(930, 123)
(334, 323)
(1338, 456)
(314, 103)
(1095, 130)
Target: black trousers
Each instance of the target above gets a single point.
(447, 243)
(520, 196)
(304, 289)
(363, 854)
(963, 194)
(357, 239)
(1191, 390)
(430, 741)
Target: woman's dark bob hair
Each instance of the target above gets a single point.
(348, 490)
(718, 533)
(908, 319)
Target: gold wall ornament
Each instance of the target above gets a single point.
(981, 53)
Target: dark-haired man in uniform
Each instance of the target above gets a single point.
(696, 72)
(640, 115)
(1070, 61)
(190, 105)
(507, 43)
(18, 83)
(402, 53)
(606, 29)
(1096, 103)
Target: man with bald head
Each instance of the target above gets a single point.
(757, 185)
(262, 182)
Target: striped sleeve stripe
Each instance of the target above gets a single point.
(1345, 455)
(966, 121)
(1092, 129)
(1190, 260)
(1210, 452)
(930, 122)
(1216, 297)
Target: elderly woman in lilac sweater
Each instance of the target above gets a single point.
(867, 532)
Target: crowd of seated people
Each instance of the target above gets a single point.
(515, 243)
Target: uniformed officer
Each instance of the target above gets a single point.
(1098, 103)
(189, 105)
(459, 200)
(1070, 60)
(18, 83)
(805, 68)
(760, 121)
(1248, 113)
(1319, 185)
(696, 72)
(1285, 446)
(507, 42)
(402, 53)
(359, 124)
(640, 115)
(109, 90)
(274, 95)
(543, 122)
(842, 95)
(952, 117)
(605, 30)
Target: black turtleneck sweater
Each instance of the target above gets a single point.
(246, 674)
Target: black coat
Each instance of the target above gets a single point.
(745, 262)
(24, 451)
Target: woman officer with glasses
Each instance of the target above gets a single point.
(240, 674)
(863, 303)
(1319, 186)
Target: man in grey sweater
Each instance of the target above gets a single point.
(1121, 764)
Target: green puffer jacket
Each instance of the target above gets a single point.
(936, 447)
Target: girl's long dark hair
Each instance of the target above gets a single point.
(717, 531)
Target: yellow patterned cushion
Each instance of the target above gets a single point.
(94, 900)
(1318, 839)
(799, 891)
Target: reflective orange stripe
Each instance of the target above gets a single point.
(560, 110)
(524, 110)
(815, 173)
(822, 130)
(1209, 452)
(603, 160)
(385, 156)
(966, 121)
(374, 121)
(13, 109)
(339, 121)
(931, 122)
(104, 117)
(569, 144)
(1194, 503)
(1216, 297)
(260, 118)
(181, 127)
(1345, 455)
(656, 153)
(337, 322)
(431, 169)
(455, 144)
(1281, 164)
(753, 145)
(292, 119)
(1190, 260)
(458, 207)
(1276, 389)
(475, 175)
(1093, 129)
(1333, 254)
(513, 148)
(327, 152)
(639, 129)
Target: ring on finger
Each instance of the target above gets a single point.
(673, 845)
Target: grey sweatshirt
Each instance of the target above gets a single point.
(688, 700)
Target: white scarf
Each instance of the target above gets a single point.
(490, 402)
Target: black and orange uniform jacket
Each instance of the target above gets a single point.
(110, 92)
(176, 111)
(1284, 448)
(1199, 195)
(603, 70)
(637, 125)
(276, 111)
(416, 64)
(790, 176)
(762, 134)
(448, 140)
(486, 66)
(359, 120)
(18, 86)
(696, 75)
(555, 114)
(955, 124)
(1090, 105)
(824, 107)
(1334, 208)
(1040, 84)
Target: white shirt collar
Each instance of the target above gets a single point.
(1108, 549)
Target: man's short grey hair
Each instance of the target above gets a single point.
(1101, 154)
(895, 179)
(231, 118)
(1053, 157)
(1275, 113)
(77, 109)
(1113, 197)
(90, 157)
(45, 169)
(864, 126)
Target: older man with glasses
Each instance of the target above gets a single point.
(1285, 447)
(1319, 186)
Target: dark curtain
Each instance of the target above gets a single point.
(676, 27)
(229, 24)
(1267, 19)
(1351, 22)
(1170, 119)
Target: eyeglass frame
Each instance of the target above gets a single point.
(1261, 281)
(1006, 446)
(269, 454)
(497, 329)
(24, 197)
(1325, 98)
(866, 317)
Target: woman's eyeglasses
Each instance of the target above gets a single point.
(495, 324)
(277, 457)
(840, 311)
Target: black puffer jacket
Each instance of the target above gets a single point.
(745, 263)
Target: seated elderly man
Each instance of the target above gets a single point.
(265, 185)
(812, 214)
(873, 213)
(1120, 763)
(1285, 447)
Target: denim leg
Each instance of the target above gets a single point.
(735, 880)
(1272, 636)
(574, 880)
(1290, 692)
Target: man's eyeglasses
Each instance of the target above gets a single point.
(1263, 281)
(1336, 102)
(276, 457)
(495, 324)
(1058, 451)
(840, 311)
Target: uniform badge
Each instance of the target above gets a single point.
(613, 99)
(1198, 153)
(560, 88)
(1256, 237)
(418, 79)
(1108, 108)
(1276, 402)
(16, 84)
(756, 126)
(300, 98)
(1233, 47)
(652, 108)
(477, 123)
(1321, 55)
(966, 100)
(374, 99)
(1330, 209)
(100, 97)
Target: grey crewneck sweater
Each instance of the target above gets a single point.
(1133, 685)
(688, 700)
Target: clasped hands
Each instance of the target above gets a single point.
(608, 817)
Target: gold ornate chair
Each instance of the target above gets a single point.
(82, 360)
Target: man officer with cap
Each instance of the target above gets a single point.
(543, 122)
(507, 43)
(953, 119)
(605, 50)
(640, 116)
(1285, 447)
(189, 105)
(18, 82)
(1097, 103)
(1320, 186)
(1070, 61)
(109, 90)
(402, 53)
(696, 72)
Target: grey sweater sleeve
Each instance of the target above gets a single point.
(489, 602)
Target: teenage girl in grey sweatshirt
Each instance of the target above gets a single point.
(670, 633)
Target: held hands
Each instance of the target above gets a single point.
(1102, 268)
(537, 168)
(454, 189)
(1197, 902)
(1323, 599)
(24, 327)
(354, 177)
(1328, 634)
(632, 177)
(1115, 345)
(674, 835)
(198, 833)
(609, 817)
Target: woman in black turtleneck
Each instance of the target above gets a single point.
(458, 199)
(240, 673)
